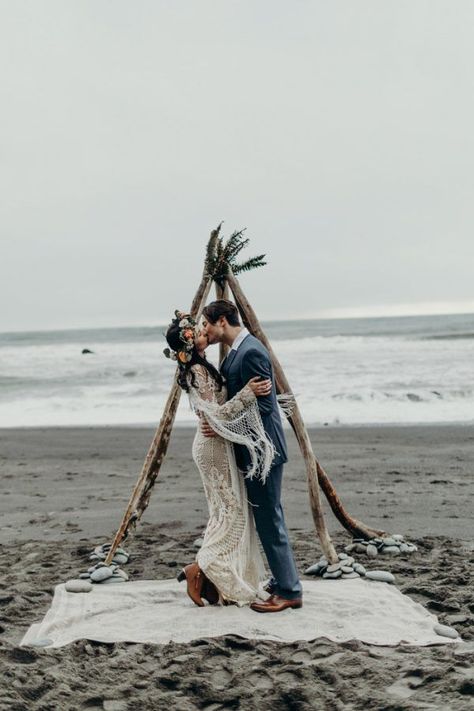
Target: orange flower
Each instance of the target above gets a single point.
(182, 356)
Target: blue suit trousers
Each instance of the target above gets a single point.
(271, 528)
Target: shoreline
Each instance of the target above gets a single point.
(191, 426)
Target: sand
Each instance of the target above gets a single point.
(62, 491)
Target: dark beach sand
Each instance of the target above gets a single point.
(62, 491)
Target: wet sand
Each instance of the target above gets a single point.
(62, 491)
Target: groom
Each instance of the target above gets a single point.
(246, 359)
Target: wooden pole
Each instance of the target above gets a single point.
(356, 528)
(157, 451)
(222, 293)
(251, 321)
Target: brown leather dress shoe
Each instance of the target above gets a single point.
(275, 603)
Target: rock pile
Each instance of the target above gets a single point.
(388, 545)
(347, 568)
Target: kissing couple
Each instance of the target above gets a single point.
(240, 450)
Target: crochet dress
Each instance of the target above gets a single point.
(230, 554)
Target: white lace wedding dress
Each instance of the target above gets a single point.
(230, 554)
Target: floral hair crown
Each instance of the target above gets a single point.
(187, 329)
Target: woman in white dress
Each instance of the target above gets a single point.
(229, 566)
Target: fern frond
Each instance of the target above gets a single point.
(252, 263)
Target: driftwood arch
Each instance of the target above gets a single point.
(217, 270)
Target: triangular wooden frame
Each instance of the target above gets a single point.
(316, 476)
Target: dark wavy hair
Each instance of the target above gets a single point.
(184, 369)
(222, 307)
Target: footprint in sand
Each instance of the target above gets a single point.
(260, 680)
(221, 678)
(405, 687)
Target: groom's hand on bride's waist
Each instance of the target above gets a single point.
(206, 429)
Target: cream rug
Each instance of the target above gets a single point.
(159, 611)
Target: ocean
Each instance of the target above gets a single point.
(414, 369)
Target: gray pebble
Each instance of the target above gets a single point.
(445, 631)
(371, 551)
(349, 561)
(389, 541)
(332, 568)
(336, 574)
(346, 569)
(351, 547)
(120, 558)
(101, 574)
(398, 537)
(405, 548)
(78, 586)
(120, 574)
(383, 576)
(314, 569)
(342, 556)
(359, 568)
(84, 576)
(390, 550)
(347, 576)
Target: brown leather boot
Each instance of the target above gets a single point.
(194, 579)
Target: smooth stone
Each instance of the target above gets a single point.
(445, 631)
(101, 574)
(398, 537)
(377, 540)
(332, 568)
(347, 576)
(382, 576)
(342, 556)
(324, 561)
(371, 551)
(336, 574)
(405, 548)
(351, 547)
(78, 586)
(346, 569)
(389, 541)
(121, 574)
(113, 579)
(120, 558)
(349, 561)
(359, 548)
(359, 569)
(314, 569)
(84, 576)
(390, 550)
(94, 556)
(412, 547)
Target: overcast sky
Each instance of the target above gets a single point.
(339, 133)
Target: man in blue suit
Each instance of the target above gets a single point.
(247, 359)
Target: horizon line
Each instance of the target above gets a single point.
(326, 317)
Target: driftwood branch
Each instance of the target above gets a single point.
(356, 528)
(222, 292)
(140, 497)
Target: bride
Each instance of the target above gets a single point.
(229, 566)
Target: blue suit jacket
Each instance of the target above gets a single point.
(249, 360)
